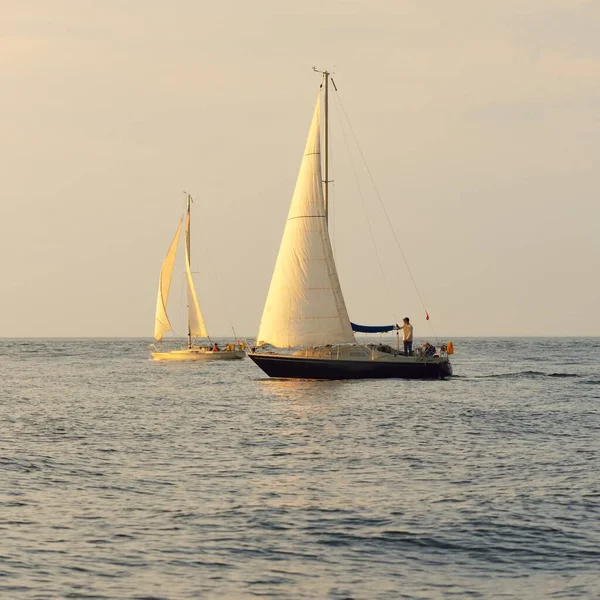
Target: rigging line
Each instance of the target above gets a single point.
(175, 332)
(222, 300)
(331, 199)
(385, 212)
(366, 214)
(182, 307)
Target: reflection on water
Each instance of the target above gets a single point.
(317, 394)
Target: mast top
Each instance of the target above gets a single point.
(189, 200)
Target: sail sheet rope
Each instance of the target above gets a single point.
(385, 212)
(366, 216)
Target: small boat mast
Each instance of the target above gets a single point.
(189, 257)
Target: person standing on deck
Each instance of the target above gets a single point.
(407, 336)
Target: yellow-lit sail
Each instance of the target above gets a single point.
(162, 323)
(305, 305)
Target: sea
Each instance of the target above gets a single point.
(124, 478)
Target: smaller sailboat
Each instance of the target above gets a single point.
(196, 327)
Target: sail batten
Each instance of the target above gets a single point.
(162, 323)
(195, 320)
(305, 305)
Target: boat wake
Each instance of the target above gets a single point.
(527, 375)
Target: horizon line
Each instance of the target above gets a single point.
(128, 337)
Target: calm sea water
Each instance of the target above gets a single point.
(125, 478)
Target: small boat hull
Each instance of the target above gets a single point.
(299, 367)
(198, 355)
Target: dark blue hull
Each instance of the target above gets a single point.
(297, 367)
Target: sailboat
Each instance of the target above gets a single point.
(196, 327)
(305, 331)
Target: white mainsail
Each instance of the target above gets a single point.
(195, 320)
(305, 305)
(162, 323)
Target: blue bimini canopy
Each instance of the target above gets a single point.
(372, 328)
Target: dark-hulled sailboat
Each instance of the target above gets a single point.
(305, 331)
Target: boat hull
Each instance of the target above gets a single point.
(298, 367)
(194, 355)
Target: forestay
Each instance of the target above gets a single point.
(305, 305)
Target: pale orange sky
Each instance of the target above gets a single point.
(479, 121)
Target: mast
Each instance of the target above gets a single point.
(196, 327)
(326, 75)
(187, 245)
(326, 147)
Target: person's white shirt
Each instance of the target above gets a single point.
(407, 332)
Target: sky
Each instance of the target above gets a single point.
(479, 123)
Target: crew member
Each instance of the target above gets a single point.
(407, 336)
(428, 349)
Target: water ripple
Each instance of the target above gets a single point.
(123, 478)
